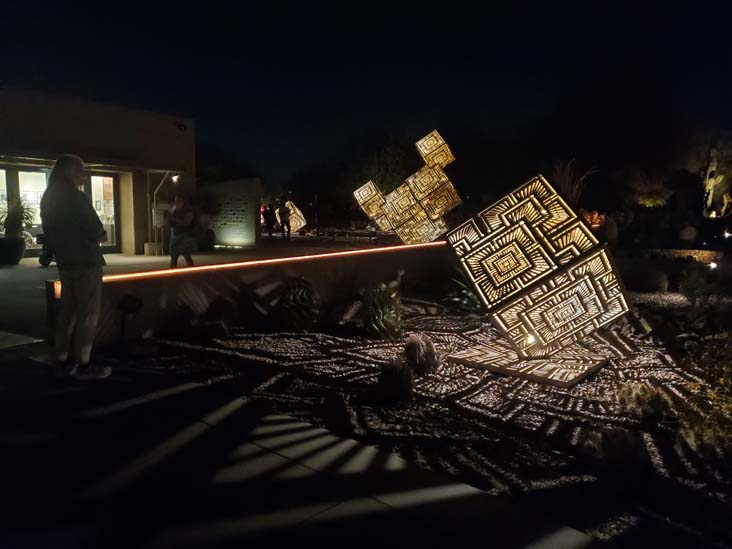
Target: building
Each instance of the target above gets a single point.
(130, 154)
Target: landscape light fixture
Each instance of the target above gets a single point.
(713, 265)
(546, 282)
(414, 210)
(727, 234)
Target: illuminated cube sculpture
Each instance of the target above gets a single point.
(414, 210)
(546, 282)
(297, 219)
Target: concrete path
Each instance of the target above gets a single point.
(150, 460)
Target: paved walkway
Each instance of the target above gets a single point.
(22, 287)
(150, 460)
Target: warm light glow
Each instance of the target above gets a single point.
(539, 270)
(57, 289)
(297, 219)
(258, 263)
(713, 265)
(414, 210)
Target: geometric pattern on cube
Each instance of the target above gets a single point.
(563, 369)
(564, 308)
(540, 228)
(297, 219)
(546, 281)
(414, 210)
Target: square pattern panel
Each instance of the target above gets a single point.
(533, 219)
(564, 369)
(546, 281)
(564, 308)
(415, 209)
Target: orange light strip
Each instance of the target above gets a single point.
(273, 261)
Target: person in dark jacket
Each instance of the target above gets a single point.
(73, 231)
(182, 242)
(270, 218)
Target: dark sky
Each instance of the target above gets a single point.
(282, 84)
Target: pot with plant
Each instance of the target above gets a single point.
(18, 215)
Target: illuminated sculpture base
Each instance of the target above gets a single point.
(563, 369)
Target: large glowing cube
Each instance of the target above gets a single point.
(414, 210)
(546, 281)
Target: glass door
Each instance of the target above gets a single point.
(31, 186)
(103, 191)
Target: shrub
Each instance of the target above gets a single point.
(396, 382)
(646, 403)
(298, 307)
(420, 354)
(698, 287)
(382, 317)
(462, 296)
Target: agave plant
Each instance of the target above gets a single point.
(17, 216)
(382, 311)
(298, 305)
(462, 296)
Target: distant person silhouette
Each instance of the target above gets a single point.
(270, 218)
(284, 212)
(73, 232)
(182, 242)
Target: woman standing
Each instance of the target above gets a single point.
(73, 232)
(182, 242)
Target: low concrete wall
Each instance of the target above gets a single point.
(334, 276)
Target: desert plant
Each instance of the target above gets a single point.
(569, 182)
(461, 295)
(396, 381)
(645, 402)
(18, 215)
(381, 312)
(698, 287)
(648, 192)
(298, 307)
(420, 354)
(658, 281)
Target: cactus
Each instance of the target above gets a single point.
(421, 354)
(298, 305)
(382, 317)
(395, 381)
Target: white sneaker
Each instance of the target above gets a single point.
(62, 370)
(85, 373)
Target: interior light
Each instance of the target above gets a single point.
(175, 178)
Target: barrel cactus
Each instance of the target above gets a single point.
(396, 382)
(421, 354)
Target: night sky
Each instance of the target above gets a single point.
(281, 85)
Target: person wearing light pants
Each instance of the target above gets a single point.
(73, 231)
